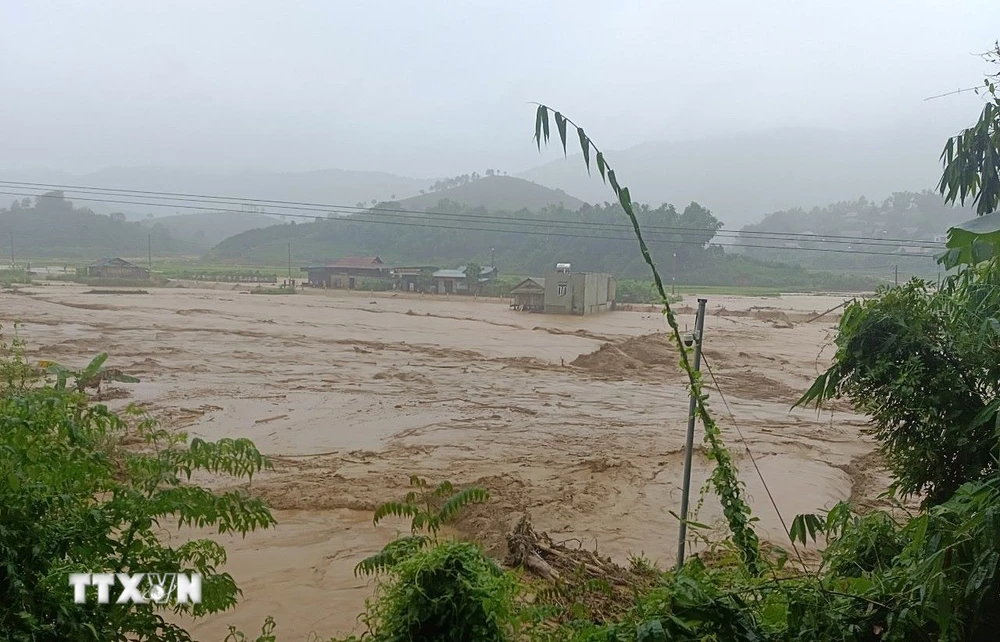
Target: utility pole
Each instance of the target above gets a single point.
(149, 250)
(896, 274)
(289, 262)
(673, 276)
(12, 249)
(699, 329)
(493, 257)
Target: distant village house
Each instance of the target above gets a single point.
(529, 295)
(346, 272)
(116, 268)
(453, 281)
(563, 291)
(408, 278)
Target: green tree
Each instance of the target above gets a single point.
(923, 362)
(972, 158)
(74, 498)
(472, 272)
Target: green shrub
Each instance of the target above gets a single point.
(449, 592)
(923, 364)
(73, 499)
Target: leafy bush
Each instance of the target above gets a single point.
(11, 276)
(924, 365)
(74, 499)
(428, 509)
(16, 374)
(448, 592)
(278, 290)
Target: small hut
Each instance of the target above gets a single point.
(529, 295)
(116, 268)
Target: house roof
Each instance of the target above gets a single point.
(113, 262)
(528, 286)
(359, 262)
(450, 274)
(413, 268)
(459, 272)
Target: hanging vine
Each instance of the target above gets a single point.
(724, 479)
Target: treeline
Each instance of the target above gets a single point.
(463, 179)
(901, 224)
(49, 226)
(593, 238)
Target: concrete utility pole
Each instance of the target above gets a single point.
(149, 250)
(12, 249)
(493, 257)
(896, 274)
(289, 263)
(699, 329)
(673, 277)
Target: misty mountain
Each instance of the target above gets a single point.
(332, 186)
(743, 177)
(907, 229)
(456, 235)
(496, 193)
(205, 229)
(50, 227)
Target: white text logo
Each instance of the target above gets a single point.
(138, 588)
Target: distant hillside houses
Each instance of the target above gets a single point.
(116, 268)
(347, 272)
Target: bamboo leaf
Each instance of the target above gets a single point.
(585, 146)
(561, 126)
(600, 165)
(539, 116)
(625, 199)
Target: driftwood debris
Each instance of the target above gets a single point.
(577, 575)
(551, 561)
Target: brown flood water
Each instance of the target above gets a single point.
(351, 393)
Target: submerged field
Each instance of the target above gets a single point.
(578, 422)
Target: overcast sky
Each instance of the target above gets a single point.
(440, 88)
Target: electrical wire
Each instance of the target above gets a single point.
(753, 460)
(348, 209)
(357, 219)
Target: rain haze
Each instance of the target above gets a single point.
(290, 299)
(440, 88)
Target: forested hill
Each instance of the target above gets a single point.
(50, 227)
(204, 229)
(596, 238)
(494, 193)
(906, 221)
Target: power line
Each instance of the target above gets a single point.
(357, 219)
(348, 209)
(753, 460)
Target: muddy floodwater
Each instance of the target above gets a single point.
(577, 421)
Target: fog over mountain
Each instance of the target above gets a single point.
(441, 89)
(741, 178)
(335, 187)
